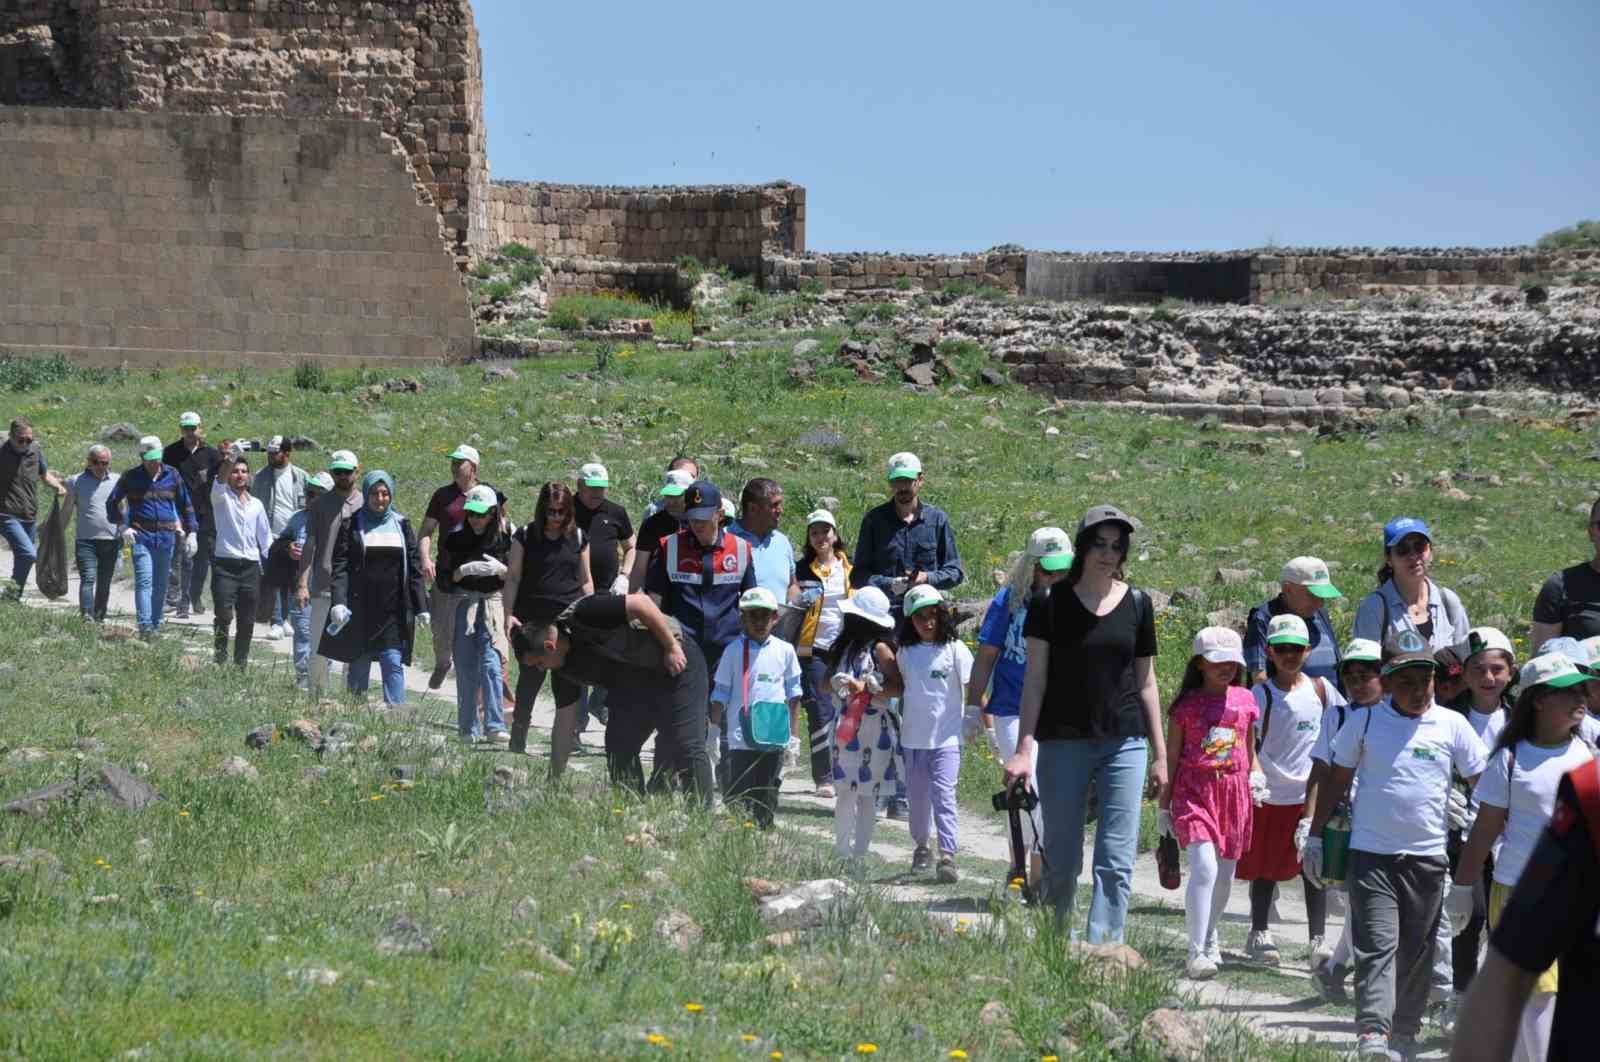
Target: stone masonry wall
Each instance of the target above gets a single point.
(411, 66)
(999, 268)
(719, 225)
(1350, 275)
(157, 239)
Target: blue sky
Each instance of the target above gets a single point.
(941, 126)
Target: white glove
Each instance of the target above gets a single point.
(1259, 790)
(1302, 833)
(874, 682)
(971, 723)
(840, 684)
(619, 585)
(424, 619)
(338, 616)
(128, 535)
(1458, 907)
(1460, 817)
(898, 587)
(1311, 861)
(1164, 823)
(191, 544)
(488, 566)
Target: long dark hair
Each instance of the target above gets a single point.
(1080, 550)
(1523, 721)
(944, 629)
(841, 548)
(856, 634)
(555, 493)
(1194, 678)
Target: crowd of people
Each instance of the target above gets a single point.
(1419, 771)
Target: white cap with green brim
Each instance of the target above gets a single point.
(1052, 548)
(677, 481)
(821, 516)
(188, 419)
(1288, 629)
(150, 448)
(342, 461)
(465, 453)
(920, 597)
(1483, 639)
(758, 598)
(729, 510)
(322, 481)
(594, 474)
(1311, 573)
(905, 465)
(480, 499)
(1361, 651)
(1551, 669)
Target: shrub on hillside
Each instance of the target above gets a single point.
(1583, 234)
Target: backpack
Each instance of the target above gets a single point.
(1266, 713)
(764, 724)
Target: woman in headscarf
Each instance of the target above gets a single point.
(377, 589)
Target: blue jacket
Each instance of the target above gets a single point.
(156, 506)
(888, 548)
(700, 587)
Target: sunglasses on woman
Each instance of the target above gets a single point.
(1406, 549)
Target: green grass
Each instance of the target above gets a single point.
(573, 312)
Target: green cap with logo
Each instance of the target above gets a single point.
(1051, 548)
(1311, 573)
(1288, 629)
(920, 597)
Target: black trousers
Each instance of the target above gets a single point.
(678, 719)
(530, 680)
(235, 585)
(1464, 949)
(1316, 906)
(753, 779)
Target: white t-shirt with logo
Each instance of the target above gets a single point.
(1403, 766)
(1527, 788)
(1289, 736)
(935, 677)
(774, 676)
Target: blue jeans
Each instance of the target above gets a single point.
(97, 563)
(300, 620)
(390, 668)
(24, 551)
(477, 665)
(1118, 767)
(152, 565)
(818, 703)
(192, 571)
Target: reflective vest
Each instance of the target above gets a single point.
(725, 564)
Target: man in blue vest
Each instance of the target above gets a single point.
(697, 577)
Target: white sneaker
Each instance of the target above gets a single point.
(1262, 949)
(1320, 952)
(1214, 951)
(1201, 968)
(275, 631)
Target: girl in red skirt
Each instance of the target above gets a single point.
(1291, 706)
(1206, 803)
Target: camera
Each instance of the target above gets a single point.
(1019, 798)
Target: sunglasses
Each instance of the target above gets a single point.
(1117, 546)
(344, 471)
(1288, 647)
(1406, 549)
(556, 514)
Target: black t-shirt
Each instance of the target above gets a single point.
(659, 525)
(460, 546)
(1551, 915)
(1571, 599)
(552, 569)
(447, 508)
(607, 527)
(1091, 691)
(196, 468)
(606, 651)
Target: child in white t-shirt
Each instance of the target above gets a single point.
(1516, 797)
(755, 669)
(935, 667)
(1290, 705)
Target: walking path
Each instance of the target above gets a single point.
(985, 849)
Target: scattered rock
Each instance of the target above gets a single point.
(96, 683)
(239, 767)
(314, 773)
(991, 377)
(190, 663)
(304, 730)
(1236, 576)
(29, 860)
(805, 348)
(498, 373)
(121, 431)
(785, 939)
(26, 755)
(526, 908)
(1189, 595)
(921, 374)
(658, 877)
(508, 777)
(1107, 958)
(262, 736)
(1105, 1022)
(761, 888)
(111, 783)
(680, 931)
(1228, 617)
(994, 1013)
(805, 906)
(404, 937)
(1174, 1035)
(553, 962)
(314, 976)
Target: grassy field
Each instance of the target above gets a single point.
(196, 927)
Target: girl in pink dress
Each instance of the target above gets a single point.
(1206, 804)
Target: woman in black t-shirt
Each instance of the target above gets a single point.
(549, 563)
(1089, 702)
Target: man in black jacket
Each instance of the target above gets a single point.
(194, 460)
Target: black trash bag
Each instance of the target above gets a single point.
(50, 570)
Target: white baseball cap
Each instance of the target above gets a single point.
(678, 480)
(758, 597)
(322, 481)
(905, 465)
(1482, 639)
(871, 604)
(594, 474)
(343, 461)
(729, 511)
(821, 516)
(1311, 573)
(920, 597)
(150, 448)
(1288, 629)
(188, 419)
(480, 499)
(1219, 645)
(1362, 651)
(1551, 669)
(465, 453)
(1052, 548)
(275, 445)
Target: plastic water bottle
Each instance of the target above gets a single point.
(335, 627)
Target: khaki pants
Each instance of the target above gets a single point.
(442, 608)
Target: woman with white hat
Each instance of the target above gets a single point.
(823, 573)
(864, 679)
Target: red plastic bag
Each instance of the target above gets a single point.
(850, 721)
